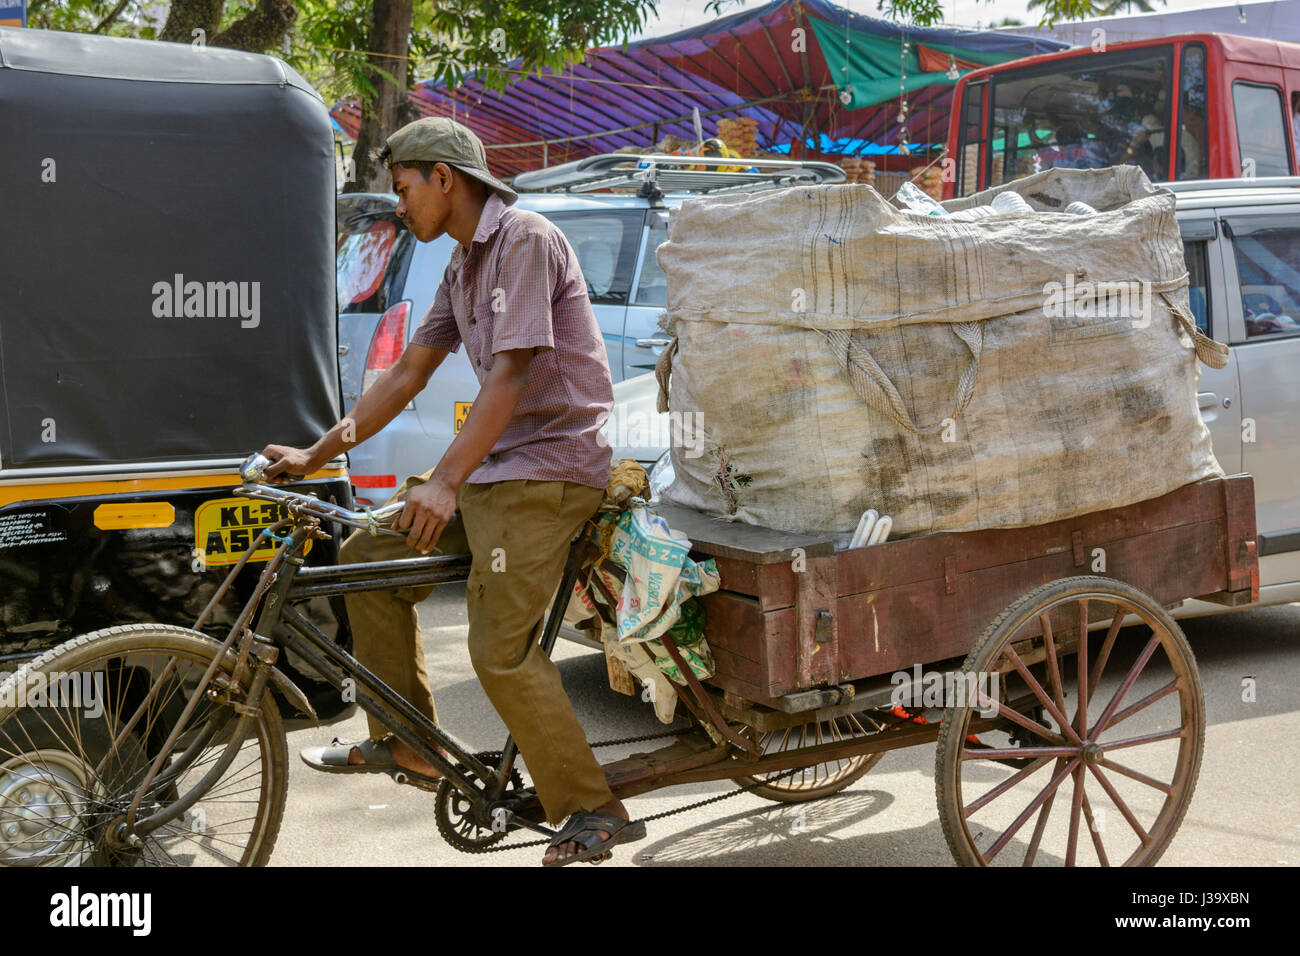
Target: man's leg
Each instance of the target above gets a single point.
(385, 626)
(519, 533)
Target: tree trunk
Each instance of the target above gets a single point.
(186, 16)
(260, 30)
(386, 111)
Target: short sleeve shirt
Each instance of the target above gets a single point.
(519, 286)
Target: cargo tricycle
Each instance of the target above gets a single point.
(1042, 661)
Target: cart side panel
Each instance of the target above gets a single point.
(1239, 541)
(753, 651)
(1167, 564)
(927, 599)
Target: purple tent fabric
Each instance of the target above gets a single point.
(744, 64)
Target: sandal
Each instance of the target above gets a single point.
(375, 756)
(583, 829)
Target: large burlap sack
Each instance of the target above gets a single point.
(837, 353)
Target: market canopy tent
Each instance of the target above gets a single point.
(784, 64)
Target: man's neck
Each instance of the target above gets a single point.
(464, 221)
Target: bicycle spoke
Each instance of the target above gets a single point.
(1134, 775)
(1041, 825)
(1104, 654)
(1096, 834)
(1018, 718)
(1025, 814)
(1041, 694)
(1053, 665)
(1081, 665)
(1147, 701)
(1132, 676)
(1005, 785)
(1144, 739)
(1013, 753)
(1076, 804)
(1119, 803)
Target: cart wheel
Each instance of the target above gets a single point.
(1135, 740)
(813, 783)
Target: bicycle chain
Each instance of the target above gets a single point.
(498, 848)
(636, 740)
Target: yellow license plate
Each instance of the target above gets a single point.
(461, 413)
(224, 528)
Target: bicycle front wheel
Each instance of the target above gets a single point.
(80, 728)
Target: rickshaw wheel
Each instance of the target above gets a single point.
(1142, 773)
(819, 780)
(65, 788)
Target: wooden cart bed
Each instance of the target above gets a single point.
(794, 614)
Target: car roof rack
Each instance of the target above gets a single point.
(1256, 182)
(653, 174)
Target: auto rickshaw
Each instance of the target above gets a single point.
(166, 303)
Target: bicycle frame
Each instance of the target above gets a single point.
(285, 582)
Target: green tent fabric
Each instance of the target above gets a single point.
(876, 69)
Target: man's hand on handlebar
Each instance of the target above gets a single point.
(288, 464)
(429, 506)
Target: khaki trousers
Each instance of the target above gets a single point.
(519, 533)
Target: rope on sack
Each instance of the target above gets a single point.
(875, 388)
(663, 370)
(1212, 353)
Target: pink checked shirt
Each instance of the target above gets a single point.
(519, 286)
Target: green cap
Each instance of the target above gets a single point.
(437, 139)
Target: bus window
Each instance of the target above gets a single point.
(972, 140)
(1194, 135)
(1087, 114)
(1295, 125)
(1261, 128)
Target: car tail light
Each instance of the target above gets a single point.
(387, 344)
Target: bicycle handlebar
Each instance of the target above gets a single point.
(376, 520)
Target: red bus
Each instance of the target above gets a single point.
(1234, 102)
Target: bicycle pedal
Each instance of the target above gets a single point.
(402, 777)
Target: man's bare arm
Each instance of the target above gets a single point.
(431, 505)
(392, 392)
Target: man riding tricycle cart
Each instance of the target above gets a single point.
(1022, 596)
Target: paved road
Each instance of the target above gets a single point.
(1246, 810)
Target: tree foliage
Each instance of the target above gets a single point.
(926, 13)
(257, 26)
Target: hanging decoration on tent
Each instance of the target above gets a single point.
(903, 107)
(846, 88)
(953, 72)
